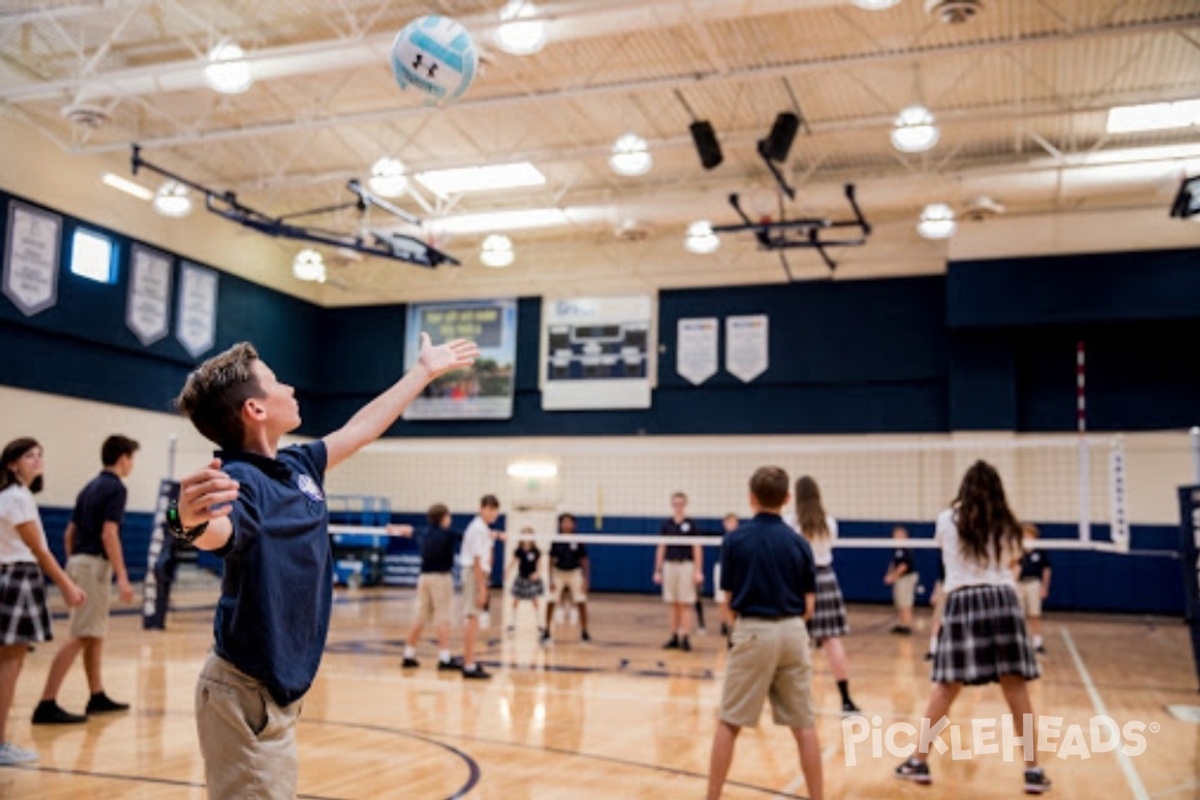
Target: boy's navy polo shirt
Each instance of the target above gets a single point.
(678, 552)
(904, 556)
(767, 568)
(437, 549)
(101, 501)
(1034, 564)
(567, 556)
(277, 593)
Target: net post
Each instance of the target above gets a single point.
(1085, 483)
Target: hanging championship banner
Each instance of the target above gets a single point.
(147, 306)
(485, 390)
(596, 352)
(31, 258)
(746, 346)
(696, 349)
(196, 317)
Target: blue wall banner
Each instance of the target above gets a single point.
(485, 391)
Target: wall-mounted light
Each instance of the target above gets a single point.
(228, 71)
(309, 265)
(937, 222)
(172, 200)
(630, 156)
(532, 469)
(914, 131)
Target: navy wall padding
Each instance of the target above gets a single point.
(135, 537)
(1073, 289)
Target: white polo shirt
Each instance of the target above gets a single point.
(477, 542)
(16, 508)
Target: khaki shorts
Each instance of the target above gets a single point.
(1029, 592)
(94, 576)
(769, 659)
(470, 594)
(565, 580)
(678, 582)
(718, 595)
(248, 741)
(435, 598)
(904, 590)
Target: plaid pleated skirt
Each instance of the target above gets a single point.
(829, 618)
(983, 637)
(527, 588)
(24, 615)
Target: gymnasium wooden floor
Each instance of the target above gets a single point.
(618, 718)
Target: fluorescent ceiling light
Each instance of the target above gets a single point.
(700, 238)
(172, 200)
(630, 156)
(127, 186)
(1154, 116)
(914, 131)
(447, 182)
(874, 5)
(532, 469)
(228, 72)
(497, 251)
(485, 222)
(387, 178)
(937, 222)
(309, 265)
(520, 34)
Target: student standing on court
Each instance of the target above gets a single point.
(1034, 583)
(528, 585)
(435, 587)
(262, 509)
(94, 555)
(24, 562)
(828, 625)
(983, 638)
(476, 561)
(768, 575)
(902, 577)
(569, 574)
(678, 569)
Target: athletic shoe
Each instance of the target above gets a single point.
(49, 712)
(477, 673)
(915, 771)
(1041, 648)
(455, 663)
(11, 754)
(101, 703)
(848, 707)
(672, 643)
(903, 630)
(929, 656)
(545, 638)
(1036, 781)
(685, 645)
(724, 628)
(410, 663)
(585, 636)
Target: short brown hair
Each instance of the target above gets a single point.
(769, 485)
(215, 392)
(116, 446)
(437, 512)
(489, 501)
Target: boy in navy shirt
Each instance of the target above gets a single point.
(1033, 583)
(902, 577)
(769, 576)
(435, 587)
(262, 508)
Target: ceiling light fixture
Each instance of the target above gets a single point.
(875, 5)
(497, 251)
(309, 265)
(937, 222)
(387, 178)
(228, 71)
(172, 200)
(519, 34)
(448, 182)
(700, 238)
(630, 156)
(491, 221)
(1154, 116)
(914, 131)
(127, 186)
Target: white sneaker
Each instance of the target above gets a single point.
(11, 754)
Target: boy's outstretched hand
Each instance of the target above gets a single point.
(446, 357)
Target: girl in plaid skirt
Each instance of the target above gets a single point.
(983, 638)
(828, 625)
(24, 556)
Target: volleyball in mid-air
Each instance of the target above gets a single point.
(435, 55)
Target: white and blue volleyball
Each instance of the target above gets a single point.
(435, 55)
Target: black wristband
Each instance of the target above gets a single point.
(175, 525)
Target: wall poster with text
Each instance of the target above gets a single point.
(597, 352)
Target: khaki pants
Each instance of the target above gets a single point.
(248, 741)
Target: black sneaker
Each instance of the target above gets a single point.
(685, 645)
(1041, 649)
(1036, 781)
(929, 656)
(476, 673)
(49, 712)
(672, 643)
(545, 638)
(903, 630)
(848, 707)
(455, 663)
(915, 771)
(585, 636)
(102, 703)
(410, 663)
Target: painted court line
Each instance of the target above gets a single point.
(1131, 775)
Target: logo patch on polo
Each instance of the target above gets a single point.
(310, 488)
